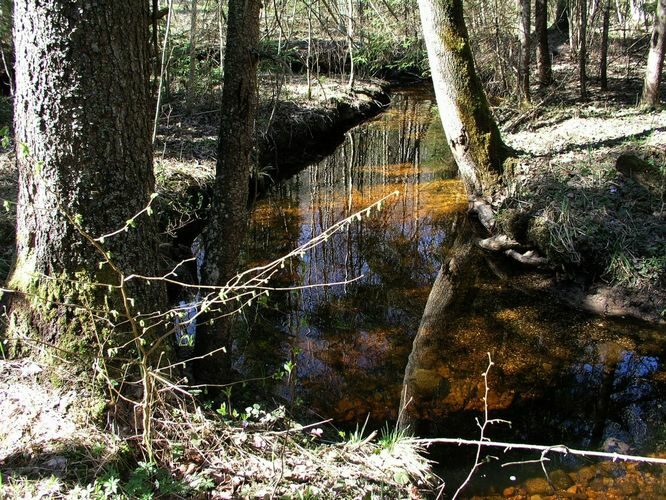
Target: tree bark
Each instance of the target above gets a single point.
(582, 51)
(655, 60)
(193, 56)
(562, 16)
(544, 68)
(6, 48)
(470, 128)
(524, 57)
(84, 157)
(228, 220)
(603, 52)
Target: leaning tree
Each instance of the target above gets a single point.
(470, 128)
(84, 157)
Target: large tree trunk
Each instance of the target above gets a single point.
(655, 60)
(524, 59)
(470, 128)
(85, 159)
(228, 221)
(544, 68)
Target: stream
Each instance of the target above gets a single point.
(559, 376)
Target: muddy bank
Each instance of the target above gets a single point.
(299, 133)
(292, 132)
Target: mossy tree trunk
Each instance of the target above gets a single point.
(84, 157)
(655, 62)
(470, 128)
(228, 220)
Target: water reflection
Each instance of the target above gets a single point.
(559, 376)
(353, 340)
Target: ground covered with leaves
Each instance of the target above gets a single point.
(53, 450)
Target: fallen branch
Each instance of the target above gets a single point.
(559, 448)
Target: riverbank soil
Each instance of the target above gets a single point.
(588, 191)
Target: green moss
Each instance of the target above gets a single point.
(57, 307)
(513, 222)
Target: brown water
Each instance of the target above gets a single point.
(559, 376)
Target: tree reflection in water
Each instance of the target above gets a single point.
(559, 376)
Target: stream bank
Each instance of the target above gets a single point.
(587, 192)
(296, 126)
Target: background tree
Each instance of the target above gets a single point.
(84, 157)
(603, 50)
(655, 62)
(544, 69)
(193, 55)
(470, 128)
(6, 48)
(525, 14)
(228, 218)
(582, 48)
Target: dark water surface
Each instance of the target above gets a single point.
(559, 376)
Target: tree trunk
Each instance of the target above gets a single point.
(470, 128)
(582, 51)
(350, 42)
(603, 52)
(228, 221)
(524, 57)
(193, 56)
(84, 156)
(544, 68)
(6, 48)
(562, 16)
(655, 60)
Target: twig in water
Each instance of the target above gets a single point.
(482, 439)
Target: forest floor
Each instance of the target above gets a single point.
(588, 192)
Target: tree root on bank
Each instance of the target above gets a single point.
(529, 258)
(498, 243)
(501, 242)
(482, 209)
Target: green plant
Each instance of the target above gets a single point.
(356, 438)
(390, 437)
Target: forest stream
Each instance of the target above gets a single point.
(559, 376)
